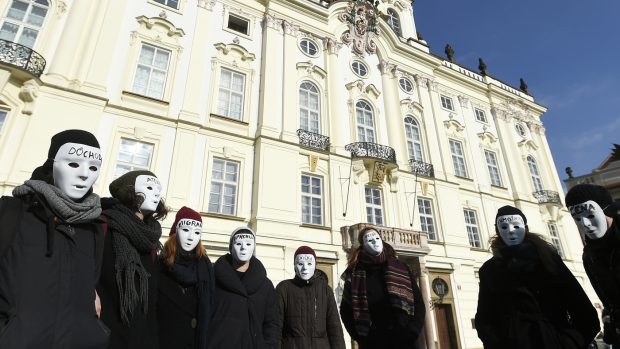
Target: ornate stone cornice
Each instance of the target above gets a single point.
(206, 4)
(273, 22)
(387, 68)
(464, 101)
(331, 45)
(290, 28)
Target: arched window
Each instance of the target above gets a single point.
(531, 163)
(414, 141)
(23, 21)
(365, 122)
(393, 21)
(309, 107)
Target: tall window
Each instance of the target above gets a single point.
(446, 102)
(414, 141)
(374, 208)
(471, 223)
(311, 200)
(555, 238)
(365, 123)
(309, 107)
(531, 163)
(133, 155)
(150, 78)
(230, 97)
(393, 21)
(170, 3)
(427, 222)
(23, 21)
(2, 118)
(493, 168)
(458, 158)
(224, 182)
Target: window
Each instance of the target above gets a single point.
(480, 115)
(150, 78)
(224, 179)
(531, 163)
(405, 85)
(555, 238)
(359, 69)
(520, 129)
(308, 47)
(414, 142)
(374, 209)
(311, 200)
(230, 97)
(2, 118)
(170, 3)
(23, 21)
(446, 103)
(365, 123)
(393, 21)
(458, 159)
(427, 222)
(133, 155)
(238, 24)
(471, 223)
(309, 107)
(493, 168)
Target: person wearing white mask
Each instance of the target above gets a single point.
(186, 285)
(245, 314)
(308, 314)
(50, 251)
(128, 284)
(382, 306)
(528, 299)
(596, 216)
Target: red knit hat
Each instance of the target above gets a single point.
(305, 250)
(185, 213)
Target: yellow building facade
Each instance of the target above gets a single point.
(306, 120)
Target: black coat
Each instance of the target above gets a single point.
(308, 316)
(47, 301)
(391, 327)
(246, 308)
(522, 305)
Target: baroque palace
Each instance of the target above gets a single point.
(306, 120)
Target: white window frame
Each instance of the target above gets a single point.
(228, 90)
(414, 146)
(481, 115)
(493, 168)
(458, 159)
(393, 20)
(357, 67)
(166, 4)
(554, 233)
(520, 129)
(236, 16)
(473, 231)
(311, 198)
(23, 24)
(224, 183)
(151, 68)
(534, 173)
(374, 211)
(427, 219)
(307, 47)
(123, 167)
(406, 85)
(3, 117)
(447, 102)
(313, 115)
(365, 122)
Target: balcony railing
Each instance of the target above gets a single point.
(21, 57)
(422, 168)
(371, 150)
(547, 197)
(313, 140)
(407, 241)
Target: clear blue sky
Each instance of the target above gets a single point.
(567, 51)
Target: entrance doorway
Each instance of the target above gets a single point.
(445, 329)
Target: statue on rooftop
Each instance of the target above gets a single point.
(449, 52)
(523, 86)
(482, 66)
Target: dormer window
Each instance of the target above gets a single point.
(394, 21)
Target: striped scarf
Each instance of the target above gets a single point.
(398, 283)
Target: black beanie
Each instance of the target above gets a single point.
(509, 211)
(119, 185)
(45, 171)
(585, 192)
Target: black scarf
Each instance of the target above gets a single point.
(521, 258)
(130, 238)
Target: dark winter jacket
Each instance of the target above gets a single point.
(48, 301)
(308, 316)
(180, 324)
(245, 315)
(523, 305)
(141, 333)
(390, 327)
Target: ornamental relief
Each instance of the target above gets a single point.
(361, 18)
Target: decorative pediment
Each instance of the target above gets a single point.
(311, 68)
(453, 124)
(239, 50)
(528, 144)
(487, 137)
(370, 90)
(361, 18)
(411, 105)
(160, 24)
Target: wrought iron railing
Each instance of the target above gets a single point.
(313, 140)
(22, 57)
(421, 168)
(371, 150)
(547, 197)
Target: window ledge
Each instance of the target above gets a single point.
(314, 226)
(150, 99)
(478, 249)
(464, 178)
(223, 216)
(222, 117)
(436, 242)
(498, 187)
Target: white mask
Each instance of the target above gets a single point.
(76, 168)
(373, 243)
(511, 229)
(243, 247)
(304, 266)
(590, 219)
(189, 232)
(149, 188)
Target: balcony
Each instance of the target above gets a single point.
(421, 168)
(24, 58)
(371, 150)
(313, 140)
(547, 197)
(407, 242)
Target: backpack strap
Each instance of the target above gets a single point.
(11, 210)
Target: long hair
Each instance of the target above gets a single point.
(387, 248)
(546, 252)
(171, 248)
(129, 198)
